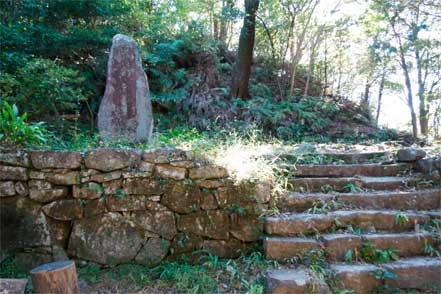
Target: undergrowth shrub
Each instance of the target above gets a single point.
(43, 89)
(209, 274)
(15, 131)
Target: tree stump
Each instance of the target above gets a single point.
(55, 278)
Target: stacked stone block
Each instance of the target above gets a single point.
(112, 206)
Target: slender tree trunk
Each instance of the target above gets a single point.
(284, 52)
(410, 99)
(223, 24)
(270, 38)
(216, 35)
(339, 81)
(293, 77)
(210, 16)
(245, 52)
(325, 87)
(380, 96)
(298, 50)
(367, 91)
(437, 122)
(407, 82)
(424, 120)
(224, 21)
(310, 72)
(312, 59)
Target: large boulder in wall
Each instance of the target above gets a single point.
(126, 111)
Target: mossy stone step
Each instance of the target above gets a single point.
(293, 224)
(282, 248)
(400, 200)
(418, 273)
(337, 245)
(348, 158)
(294, 281)
(346, 184)
(346, 170)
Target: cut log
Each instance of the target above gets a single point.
(56, 277)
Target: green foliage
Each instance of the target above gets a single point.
(54, 54)
(43, 88)
(352, 188)
(210, 275)
(15, 131)
(9, 268)
(168, 82)
(322, 206)
(349, 256)
(120, 193)
(369, 253)
(401, 218)
(315, 261)
(90, 271)
(290, 119)
(383, 275)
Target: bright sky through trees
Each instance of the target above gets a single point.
(394, 112)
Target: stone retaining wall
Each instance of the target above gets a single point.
(112, 206)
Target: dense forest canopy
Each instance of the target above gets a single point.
(294, 68)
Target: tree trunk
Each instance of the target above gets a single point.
(437, 122)
(245, 52)
(380, 96)
(314, 45)
(298, 53)
(308, 78)
(325, 86)
(56, 277)
(367, 91)
(270, 38)
(216, 35)
(424, 120)
(407, 82)
(224, 21)
(410, 99)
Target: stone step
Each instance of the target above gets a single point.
(347, 170)
(348, 158)
(434, 214)
(418, 273)
(282, 248)
(337, 245)
(292, 224)
(407, 244)
(294, 281)
(345, 184)
(400, 200)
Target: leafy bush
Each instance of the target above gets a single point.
(43, 88)
(166, 61)
(15, 131)
(290, 118)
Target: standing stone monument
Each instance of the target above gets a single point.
(126, 110)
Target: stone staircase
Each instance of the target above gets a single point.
(372, 225)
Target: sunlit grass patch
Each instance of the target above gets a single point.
(209, 274)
